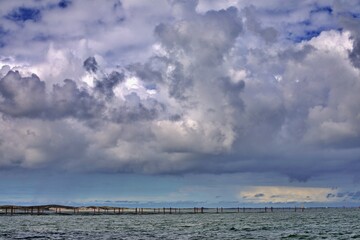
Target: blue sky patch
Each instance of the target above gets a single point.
(23, 14)
(306, 22)
(64, 3)
(305, 37)
(355, 15)
(309, 34)
(327, 9)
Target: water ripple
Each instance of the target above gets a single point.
(319, 224)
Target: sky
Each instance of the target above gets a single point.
(180, 102)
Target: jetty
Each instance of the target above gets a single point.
(101, 210)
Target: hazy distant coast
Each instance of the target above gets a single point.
(97, 210)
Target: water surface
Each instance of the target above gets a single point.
(311, 224)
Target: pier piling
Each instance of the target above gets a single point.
(57, 209)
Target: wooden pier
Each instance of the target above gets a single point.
(101, 210)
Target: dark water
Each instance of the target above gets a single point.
(311, 224)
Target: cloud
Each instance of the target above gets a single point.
(70, 101)
(91, 65)
(244, 88)
(278, 194)
(22, 96)
(344, 196)
(355, 54)
(269, 34)
(209, 36)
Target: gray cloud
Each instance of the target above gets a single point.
(27, 97)
(259, 195)
(22, 96)
(345, 196)
(224, 91)
(136, 109)
(354, 55)
(107, 84)
(269, 34)
(68, 100)
(208, 36)
(91, 65)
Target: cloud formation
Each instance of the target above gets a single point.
(206, 88)
(276, 194)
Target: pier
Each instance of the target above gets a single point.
(101, 210)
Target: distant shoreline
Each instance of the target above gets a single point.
(100, 210)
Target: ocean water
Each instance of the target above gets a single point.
(311, 224)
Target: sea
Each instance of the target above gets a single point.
(310, 224)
